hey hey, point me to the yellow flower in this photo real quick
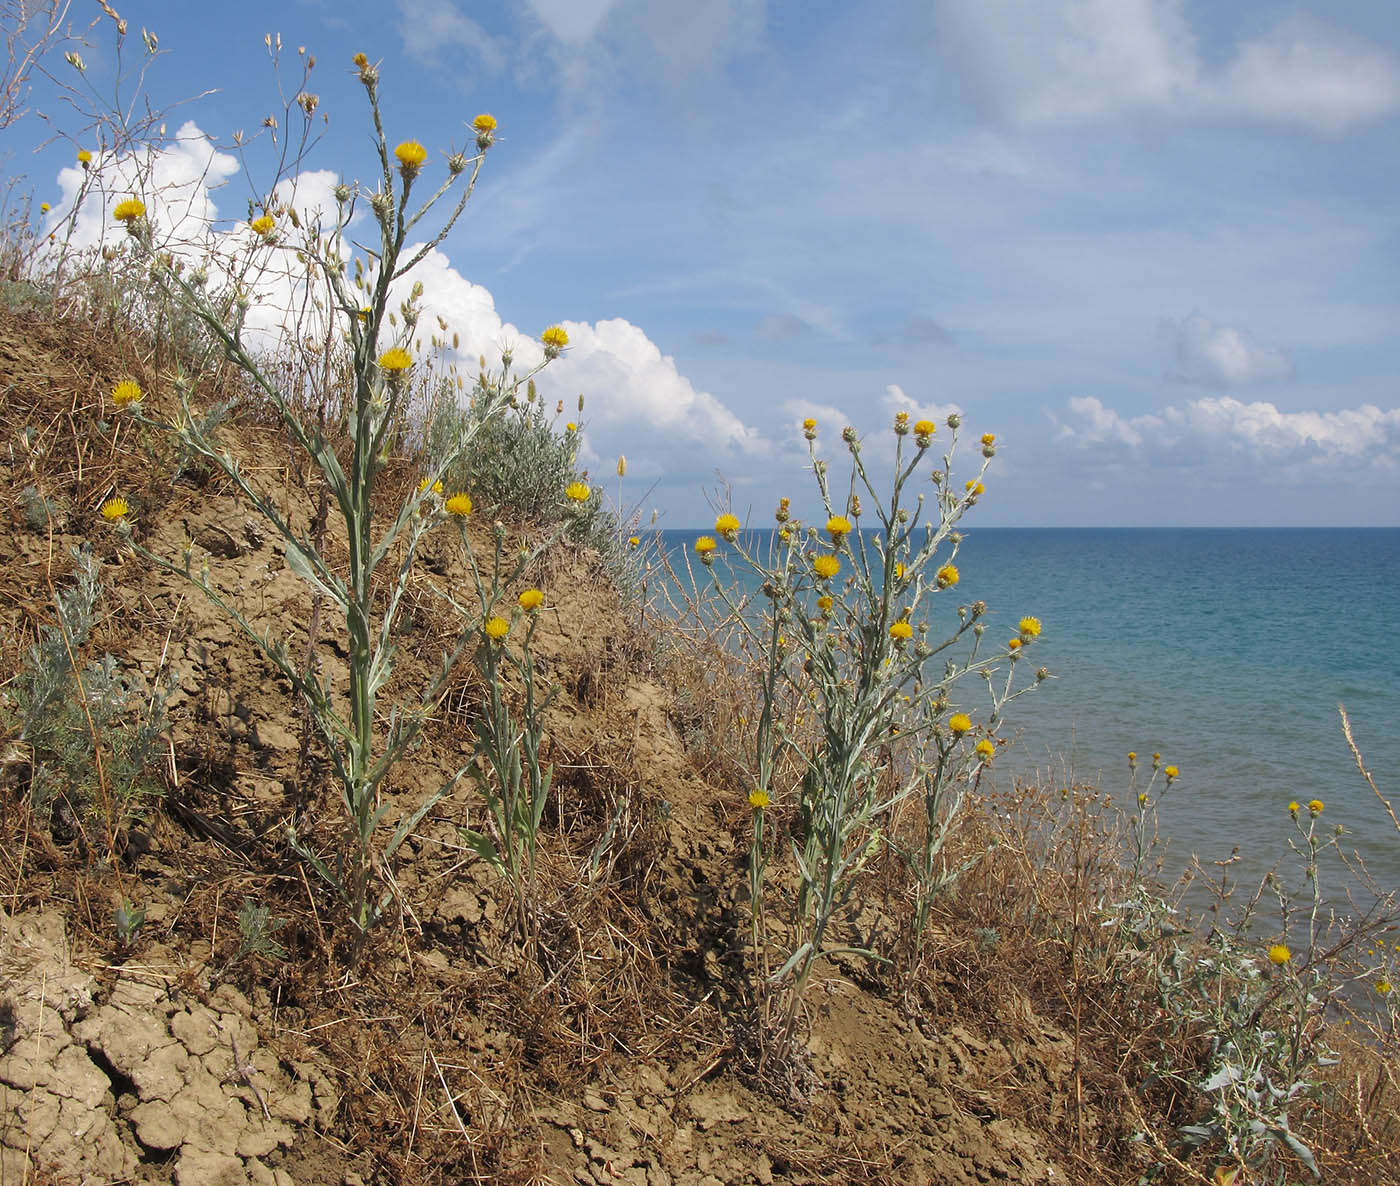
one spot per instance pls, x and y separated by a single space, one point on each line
923 429
986 748
531 599
484 123
360 60
727 525
496 628
1383 987
114 509
555 338
1142 798
989 438
459 504
263 225
758 798
411 155
1171 772
571 427
126 392
84 157
947 576
705 545
423 485
825 603
1315 806
129 210
1293 809
959 723
899 571
1029 627
577 492
1279 955
1132 757
901 630
394 360
1014 644
974 488
837 526
901 423
809 425
825 566
633 541
44 207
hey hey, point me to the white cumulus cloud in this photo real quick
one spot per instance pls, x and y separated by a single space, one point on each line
1314 443
1221 356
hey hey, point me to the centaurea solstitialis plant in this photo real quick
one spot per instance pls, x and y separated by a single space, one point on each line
855 654
381 386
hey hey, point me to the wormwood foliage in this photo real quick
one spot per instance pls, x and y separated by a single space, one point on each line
91 730
854 712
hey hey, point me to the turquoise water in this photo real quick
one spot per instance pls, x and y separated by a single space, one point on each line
1227 650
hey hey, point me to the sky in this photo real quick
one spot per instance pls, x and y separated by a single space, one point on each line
1153 245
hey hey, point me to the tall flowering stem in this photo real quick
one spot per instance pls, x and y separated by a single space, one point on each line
361 756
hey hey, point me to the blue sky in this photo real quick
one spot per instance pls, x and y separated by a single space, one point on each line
1152 244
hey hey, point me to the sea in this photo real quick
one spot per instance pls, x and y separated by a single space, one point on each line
1225 650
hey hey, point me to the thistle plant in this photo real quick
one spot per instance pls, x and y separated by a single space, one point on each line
379 331
517 788
855 695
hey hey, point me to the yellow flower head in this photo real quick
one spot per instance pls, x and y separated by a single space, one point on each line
1293 809
1142 798
531 599
826 566
263 225
577 492
360 60
114 509
923 429
496 628
129 210
1279 955
837 526
989 438
959 723
1014 644
1029 627
809 425
1132 757
1171 772
395 360
705 545
1315 806
901 423
1383 987
947 576
410 155
633 541
44 207
484 123
727 525
901 630
423 485
758 798
126 393
84 157
986 748
974 489
555 338
459 504
824 603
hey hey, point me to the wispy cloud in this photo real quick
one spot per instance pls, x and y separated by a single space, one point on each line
1077 61
1220 356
